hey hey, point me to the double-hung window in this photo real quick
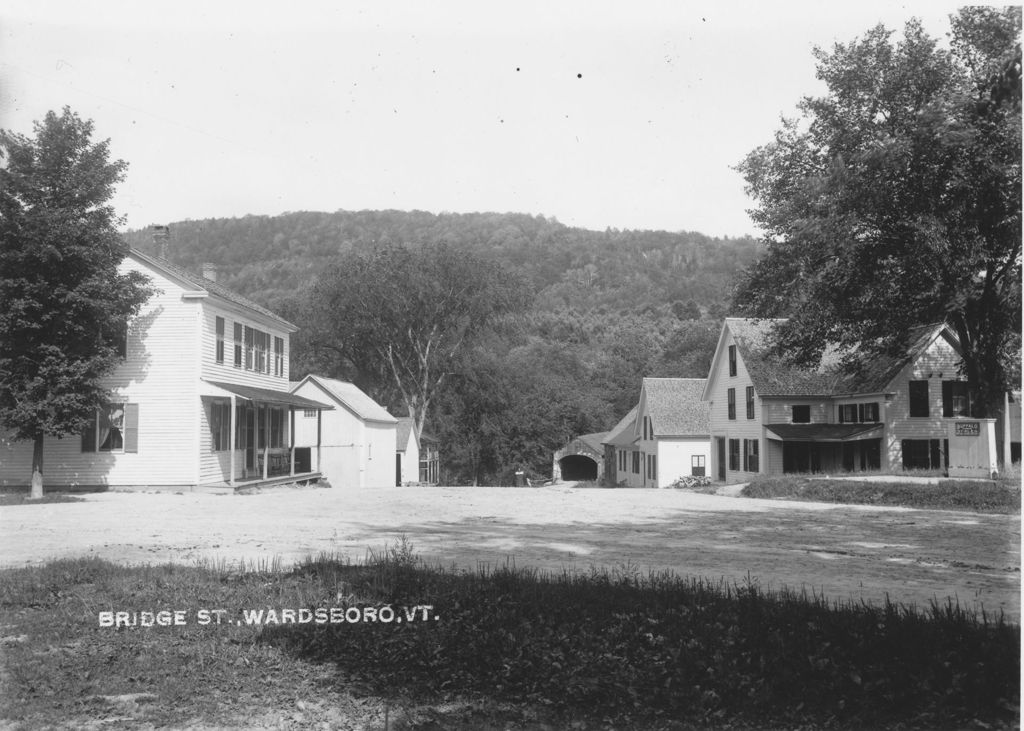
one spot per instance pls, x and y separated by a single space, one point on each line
278 356
113 429
956 399
220 426
220 340
750 402
239 345
731 403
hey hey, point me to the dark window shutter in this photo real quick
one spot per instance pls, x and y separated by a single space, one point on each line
919 398
842 414
89 436
947 398
131 427
935 458
860 413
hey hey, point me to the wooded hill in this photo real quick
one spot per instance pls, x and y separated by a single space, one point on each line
608 307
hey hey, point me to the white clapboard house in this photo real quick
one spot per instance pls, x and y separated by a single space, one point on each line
202 399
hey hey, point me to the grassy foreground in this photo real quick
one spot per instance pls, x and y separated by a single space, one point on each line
505 648
949 494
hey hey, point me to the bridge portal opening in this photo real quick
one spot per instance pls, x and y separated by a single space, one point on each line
578 467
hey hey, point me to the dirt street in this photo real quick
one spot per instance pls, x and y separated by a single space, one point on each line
847 552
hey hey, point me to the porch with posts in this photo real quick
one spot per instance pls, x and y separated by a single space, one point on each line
261 442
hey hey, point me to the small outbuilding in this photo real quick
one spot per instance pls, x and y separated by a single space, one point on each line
357 437
417 456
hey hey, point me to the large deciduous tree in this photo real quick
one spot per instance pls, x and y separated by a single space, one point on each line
63 305
393 319
894 200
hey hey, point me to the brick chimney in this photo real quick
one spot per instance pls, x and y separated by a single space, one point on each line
160 236
210 271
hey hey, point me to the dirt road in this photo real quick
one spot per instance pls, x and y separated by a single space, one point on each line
847 552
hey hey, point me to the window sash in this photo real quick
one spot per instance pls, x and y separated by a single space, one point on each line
278 356
750 402
238 345
732 360
219 327
731 403
220 426
114 429
956 399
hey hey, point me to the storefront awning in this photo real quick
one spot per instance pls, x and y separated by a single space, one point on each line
263 395
823 432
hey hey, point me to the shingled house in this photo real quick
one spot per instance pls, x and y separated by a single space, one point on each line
768 417
665 437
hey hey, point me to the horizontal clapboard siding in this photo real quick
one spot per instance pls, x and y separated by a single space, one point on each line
159 375
741 427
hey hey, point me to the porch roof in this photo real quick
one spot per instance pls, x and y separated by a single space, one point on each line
266 395
821 432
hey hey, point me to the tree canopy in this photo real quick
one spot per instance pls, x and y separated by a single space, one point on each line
64 307
894 200
396 317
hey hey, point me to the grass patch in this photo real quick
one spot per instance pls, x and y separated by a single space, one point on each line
511 648
949 494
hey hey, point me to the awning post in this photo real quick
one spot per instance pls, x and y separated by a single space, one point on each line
234 432
291 439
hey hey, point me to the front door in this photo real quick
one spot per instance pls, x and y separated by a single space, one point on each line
721 458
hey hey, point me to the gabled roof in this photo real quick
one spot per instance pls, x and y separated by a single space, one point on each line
351 397
202 284
772 376
675 407
622 433
594 441
877 373
405 428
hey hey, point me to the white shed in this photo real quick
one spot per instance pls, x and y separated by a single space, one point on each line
358 437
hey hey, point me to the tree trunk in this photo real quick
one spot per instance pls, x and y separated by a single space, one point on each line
37 468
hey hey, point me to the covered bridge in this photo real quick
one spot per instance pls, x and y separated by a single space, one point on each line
581 459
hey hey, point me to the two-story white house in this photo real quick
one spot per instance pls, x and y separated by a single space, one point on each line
769 417
202 398
664 438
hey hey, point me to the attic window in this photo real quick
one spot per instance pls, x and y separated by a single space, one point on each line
732 360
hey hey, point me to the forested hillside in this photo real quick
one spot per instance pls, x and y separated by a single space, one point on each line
608 307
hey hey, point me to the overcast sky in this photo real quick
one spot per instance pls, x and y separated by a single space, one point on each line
623 115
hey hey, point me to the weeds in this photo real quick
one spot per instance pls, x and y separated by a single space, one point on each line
948 494
512 647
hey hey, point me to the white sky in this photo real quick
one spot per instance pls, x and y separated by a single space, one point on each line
622 115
